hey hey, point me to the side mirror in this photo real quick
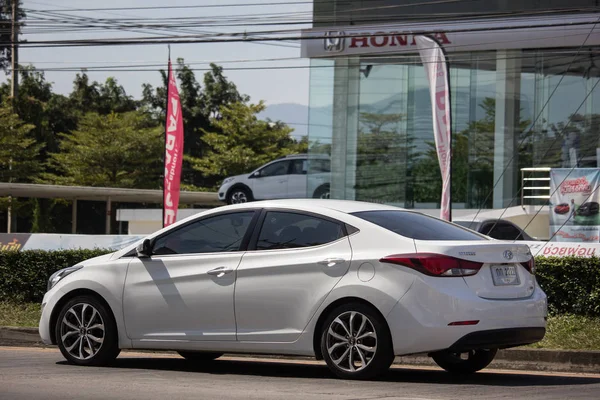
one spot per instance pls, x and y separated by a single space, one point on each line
144 250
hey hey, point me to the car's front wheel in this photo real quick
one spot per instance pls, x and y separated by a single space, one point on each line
239 195
199 355
464 363
322 192
356 343
86 332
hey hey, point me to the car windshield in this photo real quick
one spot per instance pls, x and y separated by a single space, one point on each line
418 226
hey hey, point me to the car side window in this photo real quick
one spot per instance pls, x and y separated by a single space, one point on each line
286 230
320 165
504 231
299 167
221 233
275 169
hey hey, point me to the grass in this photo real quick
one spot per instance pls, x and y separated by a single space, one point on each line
570 332
12 314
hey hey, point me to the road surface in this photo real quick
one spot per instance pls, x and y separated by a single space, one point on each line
36 373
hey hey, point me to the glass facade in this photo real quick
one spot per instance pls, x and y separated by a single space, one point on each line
511 109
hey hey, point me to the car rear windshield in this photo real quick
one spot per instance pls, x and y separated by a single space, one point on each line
418 226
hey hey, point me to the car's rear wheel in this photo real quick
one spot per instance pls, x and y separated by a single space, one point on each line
86 332
239 195
199 355
464 363
356 342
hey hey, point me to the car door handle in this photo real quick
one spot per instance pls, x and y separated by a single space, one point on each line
330 262
283 181
220 272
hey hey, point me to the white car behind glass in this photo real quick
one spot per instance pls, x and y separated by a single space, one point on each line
352 283
284 178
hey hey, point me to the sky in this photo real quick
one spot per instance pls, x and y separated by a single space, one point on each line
273 86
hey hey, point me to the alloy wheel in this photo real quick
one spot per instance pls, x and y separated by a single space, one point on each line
239 197
82 331
351 341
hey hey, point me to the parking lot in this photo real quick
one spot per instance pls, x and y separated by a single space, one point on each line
35 373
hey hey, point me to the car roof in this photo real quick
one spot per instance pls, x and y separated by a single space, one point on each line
304 155
322 205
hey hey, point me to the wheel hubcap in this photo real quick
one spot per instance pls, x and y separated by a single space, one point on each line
82 331
324 195
351 341
239 197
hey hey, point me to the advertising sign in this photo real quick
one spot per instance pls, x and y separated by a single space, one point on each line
173 152
574 205
436 69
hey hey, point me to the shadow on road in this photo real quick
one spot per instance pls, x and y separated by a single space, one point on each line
311 371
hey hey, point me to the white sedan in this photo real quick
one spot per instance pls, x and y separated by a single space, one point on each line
349 282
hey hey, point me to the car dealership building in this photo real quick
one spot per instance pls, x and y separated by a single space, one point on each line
524 95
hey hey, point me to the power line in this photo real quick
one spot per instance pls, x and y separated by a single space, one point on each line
286 3
226 21
250 37
143 67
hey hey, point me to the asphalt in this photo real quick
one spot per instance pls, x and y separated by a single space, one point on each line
38 373
525 359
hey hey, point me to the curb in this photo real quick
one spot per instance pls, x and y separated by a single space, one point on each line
523 359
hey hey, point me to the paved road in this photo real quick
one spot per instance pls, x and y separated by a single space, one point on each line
33 373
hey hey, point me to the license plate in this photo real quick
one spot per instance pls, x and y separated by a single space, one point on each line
505 275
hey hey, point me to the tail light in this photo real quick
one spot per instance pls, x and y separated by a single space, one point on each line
435 264
529 265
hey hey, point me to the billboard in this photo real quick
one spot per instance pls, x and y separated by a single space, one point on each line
574 205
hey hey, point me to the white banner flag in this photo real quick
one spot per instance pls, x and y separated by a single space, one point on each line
434 61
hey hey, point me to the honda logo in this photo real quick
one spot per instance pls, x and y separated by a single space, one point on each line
334 41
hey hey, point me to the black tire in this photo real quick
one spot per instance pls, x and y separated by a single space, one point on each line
379 361
322 192
239 195
475 360
98 338
199 355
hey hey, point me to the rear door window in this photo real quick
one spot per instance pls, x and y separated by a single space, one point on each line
418 226
287 230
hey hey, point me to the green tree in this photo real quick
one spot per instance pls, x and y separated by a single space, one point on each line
219 92
50 113
200 106
100 98
18 151
240 142
114 150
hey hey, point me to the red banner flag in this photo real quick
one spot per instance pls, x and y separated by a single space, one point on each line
173 152
436 69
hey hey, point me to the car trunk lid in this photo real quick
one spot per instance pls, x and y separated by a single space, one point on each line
502 274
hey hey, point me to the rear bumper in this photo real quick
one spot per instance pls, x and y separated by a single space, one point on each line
499 338
422 320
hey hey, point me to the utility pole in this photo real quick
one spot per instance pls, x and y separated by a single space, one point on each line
14 37
14 88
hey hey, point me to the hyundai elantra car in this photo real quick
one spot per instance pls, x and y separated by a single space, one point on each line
352 283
